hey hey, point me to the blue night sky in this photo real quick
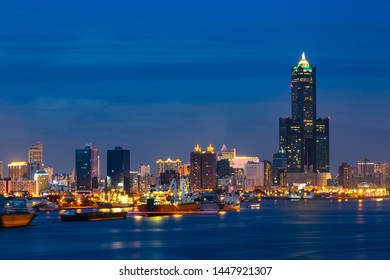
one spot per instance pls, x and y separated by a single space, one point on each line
158 77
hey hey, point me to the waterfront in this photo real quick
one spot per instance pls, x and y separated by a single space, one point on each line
283 229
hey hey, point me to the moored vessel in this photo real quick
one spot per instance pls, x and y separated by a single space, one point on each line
14 212
91 215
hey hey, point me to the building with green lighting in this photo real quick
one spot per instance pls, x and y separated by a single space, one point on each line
303 137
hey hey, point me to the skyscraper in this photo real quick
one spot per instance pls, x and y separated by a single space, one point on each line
304 138
35 159
86 168
203 169
35 153
118 169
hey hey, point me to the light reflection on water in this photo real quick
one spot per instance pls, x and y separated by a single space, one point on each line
279 230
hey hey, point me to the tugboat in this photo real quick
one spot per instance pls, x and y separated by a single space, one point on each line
14 212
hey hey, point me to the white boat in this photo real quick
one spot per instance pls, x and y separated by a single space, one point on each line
295 196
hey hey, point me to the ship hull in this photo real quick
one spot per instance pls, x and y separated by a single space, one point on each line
93 216
16 220
165 209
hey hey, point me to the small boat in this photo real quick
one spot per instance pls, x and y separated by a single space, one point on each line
295 196
91 215
250 201
229 207
14 212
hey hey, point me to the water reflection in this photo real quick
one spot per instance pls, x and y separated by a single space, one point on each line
360 205
283 230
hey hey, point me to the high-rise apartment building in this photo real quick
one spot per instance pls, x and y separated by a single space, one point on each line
118 169
167 165
203 174
86 170
1 170
303 137
345 175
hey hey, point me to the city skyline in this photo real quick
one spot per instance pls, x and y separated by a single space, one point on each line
158 79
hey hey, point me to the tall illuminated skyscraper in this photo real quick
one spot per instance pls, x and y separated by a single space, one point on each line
86 168
304 137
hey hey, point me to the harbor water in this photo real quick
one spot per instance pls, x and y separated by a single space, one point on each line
278 230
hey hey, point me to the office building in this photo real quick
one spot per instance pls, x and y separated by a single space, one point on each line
86 169
118 169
